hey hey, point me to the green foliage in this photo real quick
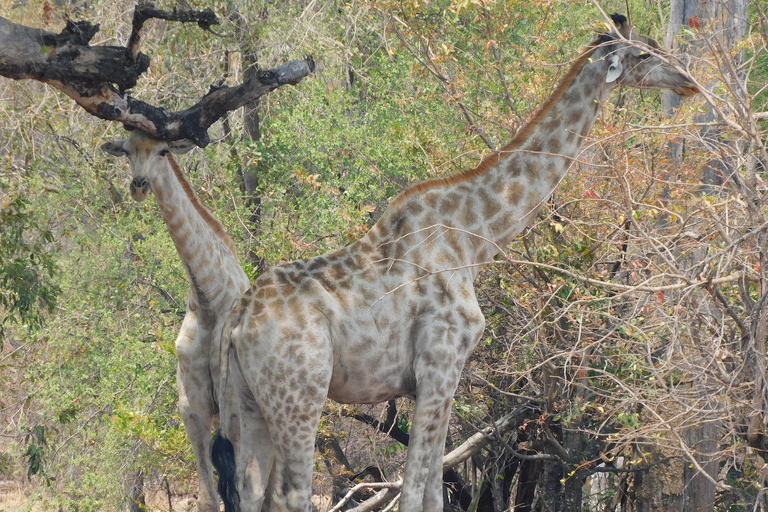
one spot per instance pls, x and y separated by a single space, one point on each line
28 286
35 447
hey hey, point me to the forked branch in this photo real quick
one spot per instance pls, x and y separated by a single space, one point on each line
97 77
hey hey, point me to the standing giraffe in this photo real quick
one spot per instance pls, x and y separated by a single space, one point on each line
216 280
395 314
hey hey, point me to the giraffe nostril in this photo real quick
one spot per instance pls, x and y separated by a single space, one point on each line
139 188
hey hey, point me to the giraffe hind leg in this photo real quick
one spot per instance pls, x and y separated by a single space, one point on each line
292 426
255 458
242 450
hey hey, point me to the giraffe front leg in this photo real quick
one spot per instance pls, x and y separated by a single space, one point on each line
437 368
422 484
197 405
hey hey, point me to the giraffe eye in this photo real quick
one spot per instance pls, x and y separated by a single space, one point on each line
644 56
163 152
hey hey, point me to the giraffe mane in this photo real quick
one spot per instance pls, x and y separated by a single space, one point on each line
214 223
491 160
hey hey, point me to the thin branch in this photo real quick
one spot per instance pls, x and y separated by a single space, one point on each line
389 426
446 82
165 293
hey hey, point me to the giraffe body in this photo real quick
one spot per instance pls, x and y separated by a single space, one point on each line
216 281
394 314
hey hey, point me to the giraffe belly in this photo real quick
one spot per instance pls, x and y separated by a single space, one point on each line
370 372
382 389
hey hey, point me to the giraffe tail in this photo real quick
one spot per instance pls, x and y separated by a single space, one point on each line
222 450
223 457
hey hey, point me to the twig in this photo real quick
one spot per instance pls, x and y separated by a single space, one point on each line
165 293
446 82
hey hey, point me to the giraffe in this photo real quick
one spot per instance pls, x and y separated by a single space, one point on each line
395 314
216 280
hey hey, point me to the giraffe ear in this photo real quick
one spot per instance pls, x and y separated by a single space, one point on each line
115 147
179 147
614 69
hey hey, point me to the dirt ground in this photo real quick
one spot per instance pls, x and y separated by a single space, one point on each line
14 498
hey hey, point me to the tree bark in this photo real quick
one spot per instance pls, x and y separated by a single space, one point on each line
530 473
96 78
136 492
711 25
252 133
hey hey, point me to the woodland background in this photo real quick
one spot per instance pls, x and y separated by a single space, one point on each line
626 329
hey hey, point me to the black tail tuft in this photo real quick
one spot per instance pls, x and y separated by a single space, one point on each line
223 456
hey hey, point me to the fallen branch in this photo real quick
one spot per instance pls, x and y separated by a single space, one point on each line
471 446
386 487
488 435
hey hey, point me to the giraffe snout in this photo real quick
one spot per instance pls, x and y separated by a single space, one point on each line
139 189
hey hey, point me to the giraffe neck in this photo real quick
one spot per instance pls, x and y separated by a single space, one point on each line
205 249
482 210
529 168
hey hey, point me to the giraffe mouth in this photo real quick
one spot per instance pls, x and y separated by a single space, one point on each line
140 189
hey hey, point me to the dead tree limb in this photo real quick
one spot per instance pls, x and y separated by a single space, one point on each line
97 77
471 446
147 10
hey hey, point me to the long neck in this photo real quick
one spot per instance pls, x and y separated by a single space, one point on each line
205 249
492 203
525 172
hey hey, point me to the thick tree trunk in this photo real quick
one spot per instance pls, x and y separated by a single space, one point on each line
699 490
711 25
573 489
252 132
730 18
550 491
136 492
530 472
248 171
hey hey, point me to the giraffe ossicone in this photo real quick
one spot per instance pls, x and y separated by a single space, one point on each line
394 314
216 279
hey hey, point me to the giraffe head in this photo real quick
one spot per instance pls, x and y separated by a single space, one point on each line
146 156
636 60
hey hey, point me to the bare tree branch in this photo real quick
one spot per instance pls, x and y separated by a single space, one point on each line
96 77
147 10
470 447
486 436
381 497
386 486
